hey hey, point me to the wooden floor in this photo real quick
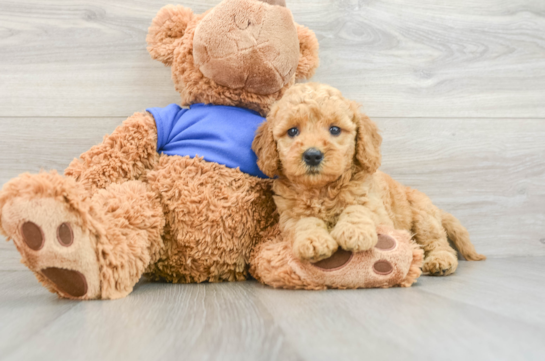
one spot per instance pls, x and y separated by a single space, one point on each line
491 310
458 90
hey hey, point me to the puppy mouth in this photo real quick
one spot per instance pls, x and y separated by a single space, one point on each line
313 170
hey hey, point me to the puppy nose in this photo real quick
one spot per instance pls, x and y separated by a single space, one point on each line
313 157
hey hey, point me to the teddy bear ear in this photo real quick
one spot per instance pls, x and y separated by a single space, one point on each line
309 47
168 26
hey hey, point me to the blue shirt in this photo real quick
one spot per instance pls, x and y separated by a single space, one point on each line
218 133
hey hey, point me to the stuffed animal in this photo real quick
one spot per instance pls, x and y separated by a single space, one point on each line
174 193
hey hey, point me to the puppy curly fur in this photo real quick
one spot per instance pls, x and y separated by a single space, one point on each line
341 201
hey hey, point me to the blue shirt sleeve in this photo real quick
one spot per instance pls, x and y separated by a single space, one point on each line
165 120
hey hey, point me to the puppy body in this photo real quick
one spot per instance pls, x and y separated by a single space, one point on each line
329 192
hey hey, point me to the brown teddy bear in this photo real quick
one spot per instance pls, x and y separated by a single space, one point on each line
173 193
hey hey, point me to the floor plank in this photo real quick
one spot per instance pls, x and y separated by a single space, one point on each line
470 315
25 309
429 59
9 257
163 322
519 280
407 324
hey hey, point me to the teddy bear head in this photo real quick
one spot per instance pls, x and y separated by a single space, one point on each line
243 53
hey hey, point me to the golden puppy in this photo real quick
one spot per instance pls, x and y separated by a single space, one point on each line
329 192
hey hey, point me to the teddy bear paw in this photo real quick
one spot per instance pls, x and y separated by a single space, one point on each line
53 244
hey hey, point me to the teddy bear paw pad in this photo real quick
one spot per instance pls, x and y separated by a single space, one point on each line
383 267
32 235
386 242
55 245
337 261
70 282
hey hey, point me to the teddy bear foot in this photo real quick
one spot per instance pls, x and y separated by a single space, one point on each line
38 213
395 261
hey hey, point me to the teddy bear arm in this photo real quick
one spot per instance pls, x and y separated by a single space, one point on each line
127 154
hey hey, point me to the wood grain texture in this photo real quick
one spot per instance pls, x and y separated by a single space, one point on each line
9 257
161 322
427 59
472 315
518 278
25 309
488 172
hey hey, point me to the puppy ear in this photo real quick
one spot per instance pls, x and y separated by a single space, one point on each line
309 59
168 26
264 146
368 141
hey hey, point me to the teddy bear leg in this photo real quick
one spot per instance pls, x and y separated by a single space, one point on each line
81 247
394 261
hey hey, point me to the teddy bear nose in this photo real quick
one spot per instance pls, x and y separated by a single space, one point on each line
313 157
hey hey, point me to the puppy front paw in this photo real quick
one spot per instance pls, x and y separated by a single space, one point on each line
355 237
314 246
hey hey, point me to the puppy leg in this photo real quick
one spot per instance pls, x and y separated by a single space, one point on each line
312 241
355 230
440 258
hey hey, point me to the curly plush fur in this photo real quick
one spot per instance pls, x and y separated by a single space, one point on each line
341 201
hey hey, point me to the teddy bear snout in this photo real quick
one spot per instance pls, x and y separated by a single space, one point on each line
247 44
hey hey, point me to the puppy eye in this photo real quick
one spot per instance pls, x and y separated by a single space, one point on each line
335 130
293 132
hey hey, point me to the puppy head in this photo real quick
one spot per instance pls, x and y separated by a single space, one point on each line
313 135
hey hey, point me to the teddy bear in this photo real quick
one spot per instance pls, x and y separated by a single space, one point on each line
173 193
